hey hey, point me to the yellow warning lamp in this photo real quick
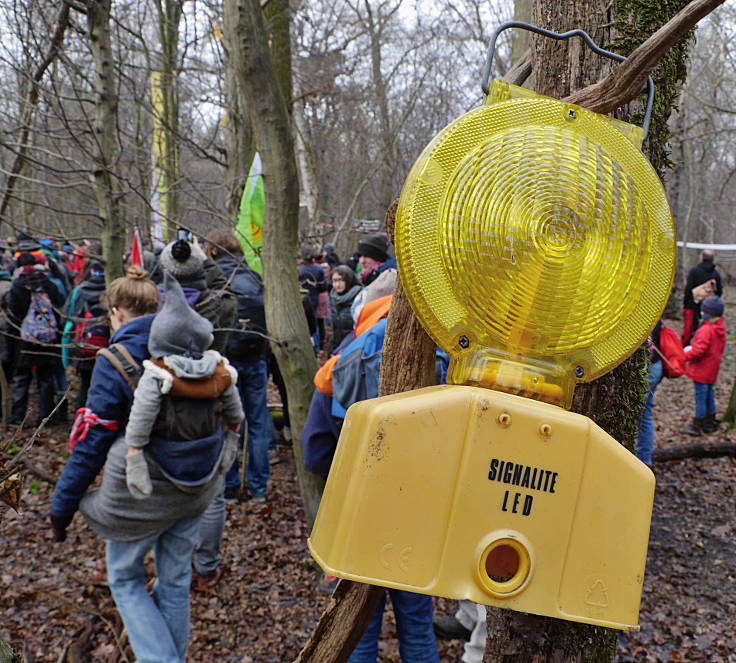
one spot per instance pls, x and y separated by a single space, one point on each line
536 246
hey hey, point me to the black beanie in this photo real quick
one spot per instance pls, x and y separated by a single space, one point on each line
374 246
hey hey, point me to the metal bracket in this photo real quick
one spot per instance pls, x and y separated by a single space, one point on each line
564 35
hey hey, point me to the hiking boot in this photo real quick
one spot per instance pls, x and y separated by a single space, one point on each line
695 428
448 628
206 583
710 423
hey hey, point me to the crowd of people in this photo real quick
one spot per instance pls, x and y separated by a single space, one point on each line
173 362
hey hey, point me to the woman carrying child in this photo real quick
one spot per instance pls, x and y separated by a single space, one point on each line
159 477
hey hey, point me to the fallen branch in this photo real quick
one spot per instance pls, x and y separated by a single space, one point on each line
342 624
695 450
628 79
39 472
76 652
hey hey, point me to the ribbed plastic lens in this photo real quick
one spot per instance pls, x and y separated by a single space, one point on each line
533 230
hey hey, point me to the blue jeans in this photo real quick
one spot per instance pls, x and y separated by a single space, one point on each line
705 399
413 627
157 625
645 438
211 526
252 382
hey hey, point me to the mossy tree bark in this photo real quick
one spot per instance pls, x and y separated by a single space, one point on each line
269 119
614 401
105 147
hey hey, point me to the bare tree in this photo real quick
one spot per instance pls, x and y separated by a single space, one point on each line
271 124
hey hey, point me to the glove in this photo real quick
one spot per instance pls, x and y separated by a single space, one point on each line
232 440
137 476
59 525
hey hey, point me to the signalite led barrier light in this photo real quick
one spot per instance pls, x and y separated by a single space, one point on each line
471 493
535 244
536 247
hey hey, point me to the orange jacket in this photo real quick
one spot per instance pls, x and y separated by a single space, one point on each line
372 312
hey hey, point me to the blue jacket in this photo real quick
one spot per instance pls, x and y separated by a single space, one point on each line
320 434
355 378
110 397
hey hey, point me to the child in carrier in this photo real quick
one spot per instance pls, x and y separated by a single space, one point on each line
185 395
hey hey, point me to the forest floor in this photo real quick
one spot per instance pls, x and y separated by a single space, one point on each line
266 604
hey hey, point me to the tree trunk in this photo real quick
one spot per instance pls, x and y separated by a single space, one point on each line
520 38
730 414
285 318
615 400
105 146
307 175
239 144
169 17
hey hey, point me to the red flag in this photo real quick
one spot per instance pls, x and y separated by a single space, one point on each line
136 253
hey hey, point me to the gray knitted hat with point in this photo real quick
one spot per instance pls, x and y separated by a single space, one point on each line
177 328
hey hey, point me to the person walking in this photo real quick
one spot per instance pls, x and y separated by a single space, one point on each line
312 279
248 353
32 328
87 326
645 436
131 301
153 499
207 292
702 364
704 272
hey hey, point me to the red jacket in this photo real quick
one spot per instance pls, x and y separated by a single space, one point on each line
703 359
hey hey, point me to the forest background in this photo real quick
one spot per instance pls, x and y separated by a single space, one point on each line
117 119
372 83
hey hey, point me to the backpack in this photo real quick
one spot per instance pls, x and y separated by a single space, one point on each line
93 332
670 349
39 323
248 291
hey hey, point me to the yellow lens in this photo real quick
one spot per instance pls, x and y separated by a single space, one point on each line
534 231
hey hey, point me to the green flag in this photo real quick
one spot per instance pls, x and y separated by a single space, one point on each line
249 228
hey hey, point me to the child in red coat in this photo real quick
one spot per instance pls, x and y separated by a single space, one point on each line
702 361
